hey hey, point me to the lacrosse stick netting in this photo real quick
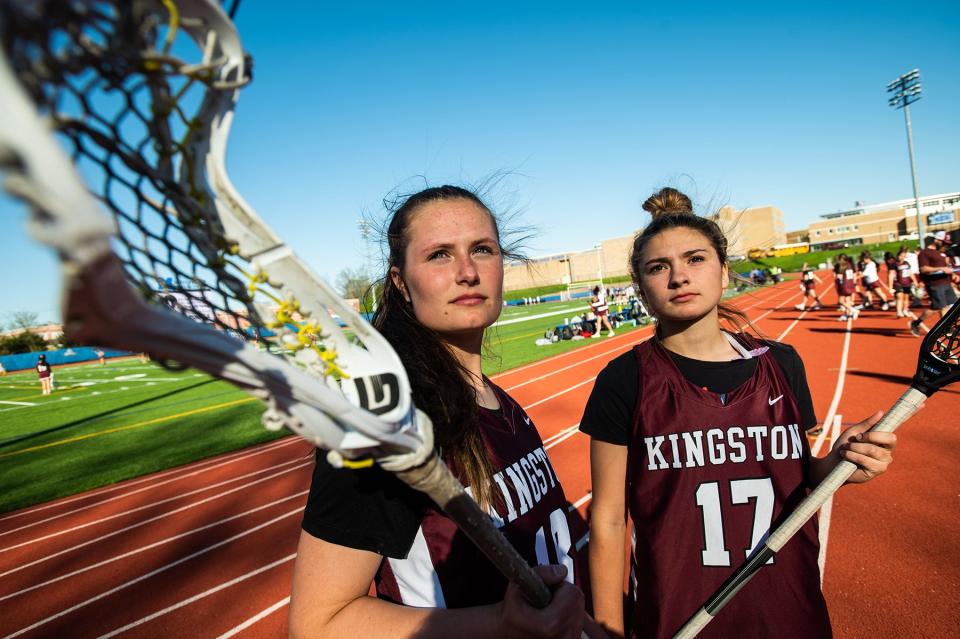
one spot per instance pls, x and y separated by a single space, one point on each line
141 94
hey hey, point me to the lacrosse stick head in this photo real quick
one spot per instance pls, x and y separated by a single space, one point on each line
160 253
939 362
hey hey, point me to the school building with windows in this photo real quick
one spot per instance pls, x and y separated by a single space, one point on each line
751 228
884 222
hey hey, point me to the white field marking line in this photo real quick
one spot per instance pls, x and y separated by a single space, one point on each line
54 399
194 469
19 403
155 572
161 516
198 597
841 375
563 392
526 318
150 546
254 619
826 510
188 471
575 364
122 530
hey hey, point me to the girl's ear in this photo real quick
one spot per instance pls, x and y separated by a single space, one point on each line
398 282
725 276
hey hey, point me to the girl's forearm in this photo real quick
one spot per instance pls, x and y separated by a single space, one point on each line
372 618
607 558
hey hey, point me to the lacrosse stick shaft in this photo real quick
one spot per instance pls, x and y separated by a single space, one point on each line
902 410
436 480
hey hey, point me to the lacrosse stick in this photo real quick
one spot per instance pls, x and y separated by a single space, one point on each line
141 93
938 366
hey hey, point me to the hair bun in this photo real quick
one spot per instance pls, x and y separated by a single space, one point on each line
668 201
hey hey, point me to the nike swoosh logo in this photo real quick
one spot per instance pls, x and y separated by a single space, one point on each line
526 419
774 400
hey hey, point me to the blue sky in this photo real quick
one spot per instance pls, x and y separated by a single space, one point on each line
588 107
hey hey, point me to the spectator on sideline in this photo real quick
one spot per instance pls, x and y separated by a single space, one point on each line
45 373
937 277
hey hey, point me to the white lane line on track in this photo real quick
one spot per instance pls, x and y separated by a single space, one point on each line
199 596
159 570
826 510
575 364
47 557
254 619
188 471
555 395
150 546
837 394
563 434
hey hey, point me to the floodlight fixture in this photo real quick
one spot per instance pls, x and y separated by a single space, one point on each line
906 90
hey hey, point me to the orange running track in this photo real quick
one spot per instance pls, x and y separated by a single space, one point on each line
206 550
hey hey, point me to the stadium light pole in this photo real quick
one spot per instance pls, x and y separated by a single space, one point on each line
599 248
365 233
906 90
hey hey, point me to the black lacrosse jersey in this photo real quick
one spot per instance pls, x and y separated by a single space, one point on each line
428 561
708 477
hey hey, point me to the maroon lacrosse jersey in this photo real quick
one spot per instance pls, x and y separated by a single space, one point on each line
444 568
707 479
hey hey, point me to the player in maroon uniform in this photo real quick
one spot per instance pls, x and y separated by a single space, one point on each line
808 284
937 276
901 279
45 373
600 308
704 427
443 289
847 278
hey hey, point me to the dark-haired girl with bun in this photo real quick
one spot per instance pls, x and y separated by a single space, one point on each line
698 435
444 287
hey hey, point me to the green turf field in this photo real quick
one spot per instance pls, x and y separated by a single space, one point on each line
105 423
